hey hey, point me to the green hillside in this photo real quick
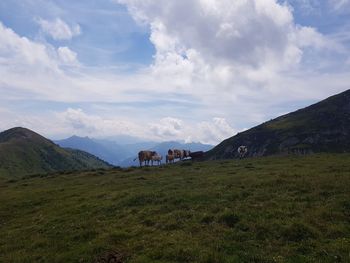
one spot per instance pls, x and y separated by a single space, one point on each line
322 127
271 209
23 151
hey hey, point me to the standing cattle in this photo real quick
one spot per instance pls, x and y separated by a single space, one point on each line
242 151
157 158
178 154
169 158
145 156
186 153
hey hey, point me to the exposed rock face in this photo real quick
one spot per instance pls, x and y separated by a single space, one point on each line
322 127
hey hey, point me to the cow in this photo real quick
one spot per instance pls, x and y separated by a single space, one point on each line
242 151
178 154
145 156
186 153
169 158
196 155
157 158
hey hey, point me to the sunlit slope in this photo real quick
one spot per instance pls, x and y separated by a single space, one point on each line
23 151
289 209
322 127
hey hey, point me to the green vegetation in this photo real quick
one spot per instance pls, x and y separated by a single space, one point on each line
321 127
23 151
272 209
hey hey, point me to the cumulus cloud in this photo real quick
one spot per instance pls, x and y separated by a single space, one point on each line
76 121
255 34
36 70
221 51
233 59
58 29
18 52
167 127
21 51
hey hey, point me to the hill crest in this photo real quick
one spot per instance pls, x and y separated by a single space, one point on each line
23 151
321 127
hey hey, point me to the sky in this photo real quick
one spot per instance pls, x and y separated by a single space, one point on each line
189 70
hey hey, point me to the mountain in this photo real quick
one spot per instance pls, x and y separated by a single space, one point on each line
321 127
163 147
121 154
107 150
23 151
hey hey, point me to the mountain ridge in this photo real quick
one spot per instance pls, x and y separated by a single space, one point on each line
320 127
23 151
123 155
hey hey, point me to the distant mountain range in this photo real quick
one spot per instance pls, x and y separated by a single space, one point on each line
23 151
123 155
322 127
108 151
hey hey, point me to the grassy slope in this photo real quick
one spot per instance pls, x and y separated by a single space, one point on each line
20 157
290 209
321 127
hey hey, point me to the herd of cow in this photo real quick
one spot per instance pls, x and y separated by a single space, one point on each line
145 157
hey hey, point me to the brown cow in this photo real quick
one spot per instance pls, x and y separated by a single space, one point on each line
169 158
157 158
178 154
145 156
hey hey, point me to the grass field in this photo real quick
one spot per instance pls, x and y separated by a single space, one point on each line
275 209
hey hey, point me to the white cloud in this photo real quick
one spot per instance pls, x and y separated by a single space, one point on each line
58 29
219 51
246 33
167 127
239 60
67 56
14 48
76 121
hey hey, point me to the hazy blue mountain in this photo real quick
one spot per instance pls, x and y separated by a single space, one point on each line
123 155
134 148
107 150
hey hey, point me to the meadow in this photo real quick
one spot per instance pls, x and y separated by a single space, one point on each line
272 209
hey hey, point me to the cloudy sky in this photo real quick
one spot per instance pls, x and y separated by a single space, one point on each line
193 70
